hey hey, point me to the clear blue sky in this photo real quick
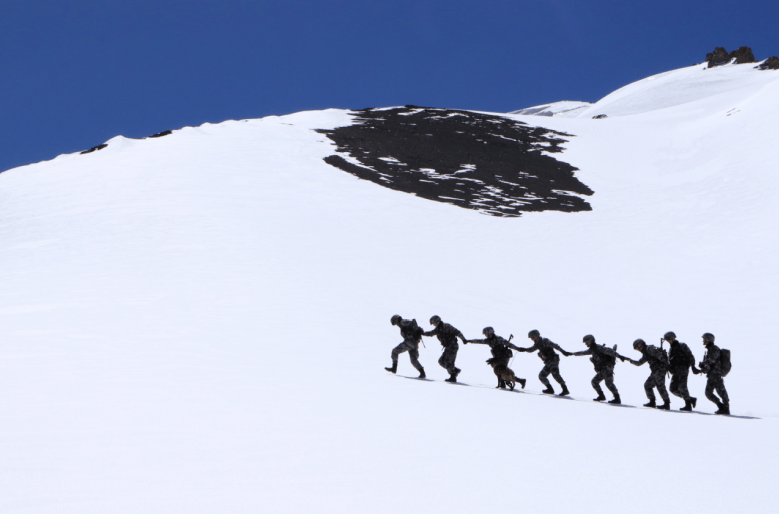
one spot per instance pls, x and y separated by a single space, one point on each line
77 73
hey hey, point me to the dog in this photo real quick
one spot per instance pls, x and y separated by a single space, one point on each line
505 375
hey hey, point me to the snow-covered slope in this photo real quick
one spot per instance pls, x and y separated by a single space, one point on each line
681 86
199 322
563 109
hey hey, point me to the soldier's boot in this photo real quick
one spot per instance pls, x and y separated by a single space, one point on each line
452 377
457 372
687 406
522 382
565 391
501 384
600 398
651 404
694 402
393 369
666 405
422 373
616 400
724 409
548 390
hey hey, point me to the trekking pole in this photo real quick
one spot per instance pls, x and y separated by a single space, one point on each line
512 353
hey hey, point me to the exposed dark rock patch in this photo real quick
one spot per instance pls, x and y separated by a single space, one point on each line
599 117
721 56
161 134
772 63
493 164
94 148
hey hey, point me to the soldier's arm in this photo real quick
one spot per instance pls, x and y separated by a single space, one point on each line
508 344
588 351
639 362
690 358
430 332
478 341
557 347
529 349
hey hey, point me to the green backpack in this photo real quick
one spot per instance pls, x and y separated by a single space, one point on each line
724 361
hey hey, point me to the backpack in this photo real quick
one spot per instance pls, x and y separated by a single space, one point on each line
606 361
724 361
413 331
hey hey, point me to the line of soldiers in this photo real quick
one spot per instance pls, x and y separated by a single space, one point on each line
678 362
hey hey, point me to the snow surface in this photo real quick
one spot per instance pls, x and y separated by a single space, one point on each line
198 323
563 109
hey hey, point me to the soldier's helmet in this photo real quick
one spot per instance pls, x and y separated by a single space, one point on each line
396 319
588 339
435 319
709 338
533 333
638 343
488 332
669 336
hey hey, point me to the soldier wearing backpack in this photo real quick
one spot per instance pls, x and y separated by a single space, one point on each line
680 359
447 336
412 335
658 367
712 366
604 359
546 351
501 355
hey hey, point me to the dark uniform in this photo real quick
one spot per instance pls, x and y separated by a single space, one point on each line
546 351
603 359
447 336
681 358
711 366
501 354
410 344
658 368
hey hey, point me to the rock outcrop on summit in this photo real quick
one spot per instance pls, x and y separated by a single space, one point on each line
496 165
721 56
772 63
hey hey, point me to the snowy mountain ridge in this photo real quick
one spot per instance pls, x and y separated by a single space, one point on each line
199 322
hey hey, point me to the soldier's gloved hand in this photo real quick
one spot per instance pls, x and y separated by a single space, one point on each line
465 341
695 371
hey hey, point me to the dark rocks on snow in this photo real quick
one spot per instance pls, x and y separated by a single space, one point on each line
772 63
721 56
161 134
599 117
492 164
94 148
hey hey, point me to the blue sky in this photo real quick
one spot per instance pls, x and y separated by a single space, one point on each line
75 74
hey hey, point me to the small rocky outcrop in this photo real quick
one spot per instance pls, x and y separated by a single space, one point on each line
94 149
721 56
772 63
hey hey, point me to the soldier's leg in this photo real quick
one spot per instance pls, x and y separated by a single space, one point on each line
442 360
609 379
674 385
711 384
414 356
402 347
596 380
555 369
649 388
660 384
721 391
542 376
450 355
678 385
